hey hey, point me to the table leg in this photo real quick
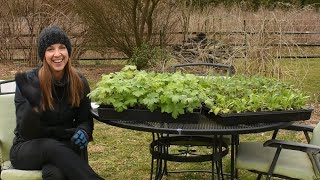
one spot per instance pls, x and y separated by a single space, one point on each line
234 150
156 152
151 169
233 137
159 170
220 161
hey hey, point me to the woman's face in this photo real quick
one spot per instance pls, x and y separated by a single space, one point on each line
57 57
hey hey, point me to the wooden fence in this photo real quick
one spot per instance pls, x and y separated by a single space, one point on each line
235 39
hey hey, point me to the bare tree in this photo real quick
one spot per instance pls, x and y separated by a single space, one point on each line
21 22
124 25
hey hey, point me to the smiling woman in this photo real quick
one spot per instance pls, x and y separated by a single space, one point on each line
53 118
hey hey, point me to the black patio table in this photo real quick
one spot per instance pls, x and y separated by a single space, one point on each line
204 126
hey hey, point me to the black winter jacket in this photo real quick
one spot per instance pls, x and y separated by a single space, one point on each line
60 123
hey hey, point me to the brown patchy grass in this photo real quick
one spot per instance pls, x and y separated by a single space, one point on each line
92 72
118 153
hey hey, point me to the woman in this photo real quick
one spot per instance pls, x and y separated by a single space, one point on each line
53 117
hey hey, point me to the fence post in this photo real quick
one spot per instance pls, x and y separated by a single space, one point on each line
220 28
245 42
214 40
162 37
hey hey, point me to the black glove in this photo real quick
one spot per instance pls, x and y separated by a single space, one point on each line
80 138
28 89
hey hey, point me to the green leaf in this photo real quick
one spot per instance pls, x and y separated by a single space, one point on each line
216 110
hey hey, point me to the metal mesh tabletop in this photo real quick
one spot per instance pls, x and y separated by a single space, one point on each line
204 126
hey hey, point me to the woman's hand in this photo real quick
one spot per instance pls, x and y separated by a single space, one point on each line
80 138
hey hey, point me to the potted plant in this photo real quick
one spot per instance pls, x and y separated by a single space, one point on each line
159 96
140 95
241 99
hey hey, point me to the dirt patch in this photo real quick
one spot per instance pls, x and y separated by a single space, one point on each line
7 71
93 73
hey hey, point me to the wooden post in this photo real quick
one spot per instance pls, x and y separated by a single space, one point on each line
161 38
245 43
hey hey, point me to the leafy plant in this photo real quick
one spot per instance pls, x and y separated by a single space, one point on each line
174 93
178 93
251 94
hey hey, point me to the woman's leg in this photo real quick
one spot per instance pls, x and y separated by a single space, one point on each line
50 172
34 154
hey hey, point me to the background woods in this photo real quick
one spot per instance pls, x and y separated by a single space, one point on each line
21 22
270 38
109 26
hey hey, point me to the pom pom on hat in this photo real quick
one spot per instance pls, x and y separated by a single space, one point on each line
52 35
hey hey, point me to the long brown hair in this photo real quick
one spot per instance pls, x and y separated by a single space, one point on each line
75 91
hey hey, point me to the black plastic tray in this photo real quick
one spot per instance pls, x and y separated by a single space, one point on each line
108 113
259 117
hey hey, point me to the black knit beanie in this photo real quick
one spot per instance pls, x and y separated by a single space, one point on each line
52 35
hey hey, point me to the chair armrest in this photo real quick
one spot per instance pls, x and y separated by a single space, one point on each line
8 90
306 129
308 148
6 81
300 127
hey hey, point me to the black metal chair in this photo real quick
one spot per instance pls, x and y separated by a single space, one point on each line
161 151
187 147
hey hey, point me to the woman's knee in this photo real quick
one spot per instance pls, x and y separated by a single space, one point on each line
51 145
50 172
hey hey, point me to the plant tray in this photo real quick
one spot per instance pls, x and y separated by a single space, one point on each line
259 117
108 113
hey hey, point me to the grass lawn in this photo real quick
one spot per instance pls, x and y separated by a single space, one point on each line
118 153
311 82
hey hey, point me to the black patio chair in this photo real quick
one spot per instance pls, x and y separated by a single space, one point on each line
179 148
